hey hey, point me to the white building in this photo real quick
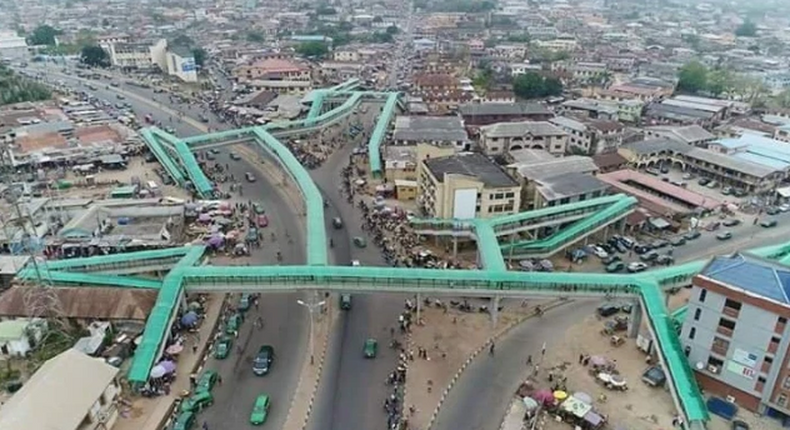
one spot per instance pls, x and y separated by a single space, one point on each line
11 45
181 64
16 336
69 392
130 55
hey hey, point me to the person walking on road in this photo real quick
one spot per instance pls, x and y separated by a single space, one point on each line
491 349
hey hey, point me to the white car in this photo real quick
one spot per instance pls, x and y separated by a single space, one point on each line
600 252
637 266
355 263
784 208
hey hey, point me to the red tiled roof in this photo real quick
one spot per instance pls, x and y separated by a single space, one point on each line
655 203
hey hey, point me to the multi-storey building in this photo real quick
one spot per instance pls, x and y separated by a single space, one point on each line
736 334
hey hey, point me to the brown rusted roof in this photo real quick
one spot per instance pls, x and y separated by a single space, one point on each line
85 302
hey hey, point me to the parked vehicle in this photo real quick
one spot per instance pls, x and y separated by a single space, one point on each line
261 364
345 302
617 266
197 402
693 234
207 381
637 266
725 235
731 222
768 223
607 310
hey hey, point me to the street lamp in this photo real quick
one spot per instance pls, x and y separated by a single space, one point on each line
311 307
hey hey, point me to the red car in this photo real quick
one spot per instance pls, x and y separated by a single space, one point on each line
262 221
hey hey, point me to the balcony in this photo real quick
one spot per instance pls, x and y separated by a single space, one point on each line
720 349
724 330
731 312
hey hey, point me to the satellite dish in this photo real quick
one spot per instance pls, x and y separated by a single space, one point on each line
699 365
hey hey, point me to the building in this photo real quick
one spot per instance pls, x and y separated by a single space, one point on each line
591 137
464 186
18 336
643 88
71 391
428 83
477 114
445 131
590 108
12 46
692 135
736 335
131 55
275 69
504 137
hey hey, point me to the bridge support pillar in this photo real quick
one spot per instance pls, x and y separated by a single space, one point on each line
494 310
606 232
622 227
636 319
419 307
455 247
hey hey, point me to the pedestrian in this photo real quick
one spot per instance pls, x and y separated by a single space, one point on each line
491 349
205 425
581 358
195 348
219 379
529 360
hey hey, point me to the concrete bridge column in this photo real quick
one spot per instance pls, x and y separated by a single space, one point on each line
666 299
494 310
455 247
606 232
636 319
419 307
622 227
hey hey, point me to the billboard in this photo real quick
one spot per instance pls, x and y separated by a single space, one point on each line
465 203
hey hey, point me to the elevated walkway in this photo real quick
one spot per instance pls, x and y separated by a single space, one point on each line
171 167
379 133
546 247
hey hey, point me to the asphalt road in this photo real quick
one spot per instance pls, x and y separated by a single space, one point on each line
285 322
352 388
480 398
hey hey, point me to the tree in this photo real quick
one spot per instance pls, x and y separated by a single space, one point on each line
105 22
312 49
200 55
783 99
534 85
94 56
693 77
255 36
747 29
392 30
182 40
325 10
718 81
18 89
377 19
44 35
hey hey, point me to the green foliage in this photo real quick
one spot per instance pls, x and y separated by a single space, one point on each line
44 35
182 40
200 55
693 78
782 99
94 56
18 89
325 10
377 19
465 6
518 38
255 36
312 49
534 85
345 26
392 30
747 29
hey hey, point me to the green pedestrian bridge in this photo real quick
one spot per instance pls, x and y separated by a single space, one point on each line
183 273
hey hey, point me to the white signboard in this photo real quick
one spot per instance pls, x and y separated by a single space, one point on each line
746 372
465 203
745 357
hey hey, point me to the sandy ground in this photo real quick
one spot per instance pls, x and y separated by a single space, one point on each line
450 339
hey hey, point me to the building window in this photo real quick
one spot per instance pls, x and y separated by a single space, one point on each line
781 399
702 294
782 320
729 325
692 332
715 363
732 304
687 350
697 314
786 383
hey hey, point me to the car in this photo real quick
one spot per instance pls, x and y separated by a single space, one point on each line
250 177
355 263
725 235
600 252
214 151
678 241
115 84
185 421
739 192
712 184
703 181
772 211
659 243
262 363
664 169
768 223
693 234
688 176
204 118
654 376
197 402
210 156
234 323
731 222
206 381
641 249
607 310
345 302
260 410
610 259
360 242
617 266
371 348
244 302
223 347
120 97
234 156
258 208
739 425
649 256
637 266
621 248
337 223
727 191
262 221
665 259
